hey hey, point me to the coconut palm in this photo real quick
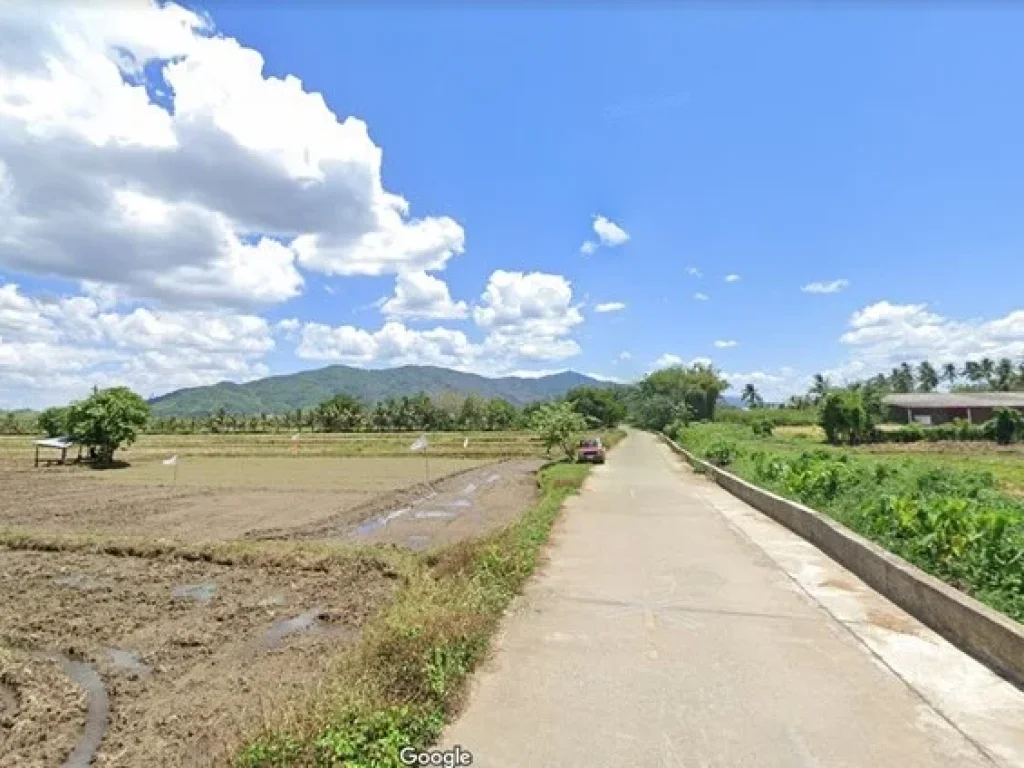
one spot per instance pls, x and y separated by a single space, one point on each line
751 396
927 377
988 369
820 386
950 373
1004 374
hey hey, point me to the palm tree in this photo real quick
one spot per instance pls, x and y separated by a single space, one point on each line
972 372
950 373
988 368
751 397
819 387
927 378
1004 374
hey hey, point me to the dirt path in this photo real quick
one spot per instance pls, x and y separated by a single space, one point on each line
662 634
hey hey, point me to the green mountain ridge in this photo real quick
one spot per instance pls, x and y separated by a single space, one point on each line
307 389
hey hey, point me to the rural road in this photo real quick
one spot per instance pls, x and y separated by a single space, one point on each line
675 626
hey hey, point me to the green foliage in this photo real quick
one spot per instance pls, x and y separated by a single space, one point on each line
845 418
54 422
600 406
107 420
762 427
789 417
950 522
558 426
1005 426
721 453
671 394
342 413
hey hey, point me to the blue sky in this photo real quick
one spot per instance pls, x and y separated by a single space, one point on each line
784 143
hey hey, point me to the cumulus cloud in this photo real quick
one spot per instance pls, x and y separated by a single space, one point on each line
693 272
726 344
834 286
625 355
667 360
609 234
52 350
701 296
774 386
422 296
884 334
140 150
611 306
732 278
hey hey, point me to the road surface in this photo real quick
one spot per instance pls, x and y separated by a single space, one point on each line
675 626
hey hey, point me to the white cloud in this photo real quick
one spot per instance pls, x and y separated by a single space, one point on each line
611 306
774 387
701 296
422 296
625 355
835 286
667 361
726 344
609 234
732 278
53 350
216 192
884 334
693 272
528 316
393 344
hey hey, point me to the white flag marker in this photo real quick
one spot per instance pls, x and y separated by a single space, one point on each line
420 444
465 443
173 462
295 437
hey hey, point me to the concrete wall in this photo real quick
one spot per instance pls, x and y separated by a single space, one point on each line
989 636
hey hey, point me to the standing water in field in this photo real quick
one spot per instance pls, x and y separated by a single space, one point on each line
97 714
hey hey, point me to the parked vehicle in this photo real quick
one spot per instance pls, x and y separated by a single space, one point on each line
591 450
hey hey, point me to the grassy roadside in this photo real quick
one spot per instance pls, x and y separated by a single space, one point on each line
406 677
954 521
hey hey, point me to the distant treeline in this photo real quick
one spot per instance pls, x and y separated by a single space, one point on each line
600 407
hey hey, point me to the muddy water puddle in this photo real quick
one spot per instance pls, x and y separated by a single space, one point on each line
97 716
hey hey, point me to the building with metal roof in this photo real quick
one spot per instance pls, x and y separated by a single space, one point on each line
942 407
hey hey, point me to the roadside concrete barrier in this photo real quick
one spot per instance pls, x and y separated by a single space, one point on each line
992 638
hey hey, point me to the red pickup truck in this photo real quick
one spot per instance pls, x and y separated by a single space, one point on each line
591 450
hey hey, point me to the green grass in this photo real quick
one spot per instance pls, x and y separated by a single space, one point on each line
407 676
948 514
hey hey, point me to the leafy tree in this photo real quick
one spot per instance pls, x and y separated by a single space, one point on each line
471 415
600 406
972 372
677 393
54 422
499 414
1006 425
558 426
342 413
845 418
107 420
927 377
751 396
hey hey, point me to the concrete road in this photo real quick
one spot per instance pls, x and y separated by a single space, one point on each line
675 626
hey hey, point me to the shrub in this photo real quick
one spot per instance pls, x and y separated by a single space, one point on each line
762 427
845 418
721 453
1005 426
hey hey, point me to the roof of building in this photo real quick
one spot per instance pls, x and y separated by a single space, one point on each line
956 400
56 442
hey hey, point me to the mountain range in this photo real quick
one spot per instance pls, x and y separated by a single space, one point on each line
307 389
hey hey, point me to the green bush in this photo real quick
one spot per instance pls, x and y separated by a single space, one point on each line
1005 426
721 453
846 417
762 427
